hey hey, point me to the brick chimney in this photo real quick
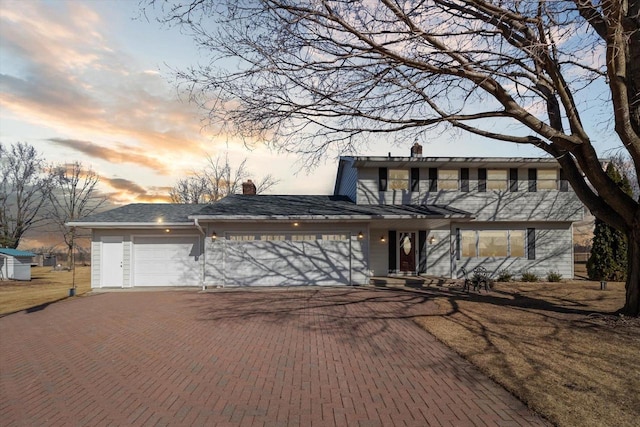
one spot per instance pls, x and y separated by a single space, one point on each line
416 150
248 187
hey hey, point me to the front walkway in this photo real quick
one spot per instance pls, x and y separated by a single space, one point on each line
295 357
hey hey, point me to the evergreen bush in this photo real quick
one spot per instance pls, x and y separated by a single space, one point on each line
554 276
504 276
528 276
608 260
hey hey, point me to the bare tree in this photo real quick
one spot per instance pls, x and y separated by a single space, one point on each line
74 196
314 74
24 191
190 190
215 181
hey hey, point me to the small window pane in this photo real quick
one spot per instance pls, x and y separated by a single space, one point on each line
335 237
398 179
516 243
448 179
547 179
241 237
302 237
497 179
270 237
492 243
468 242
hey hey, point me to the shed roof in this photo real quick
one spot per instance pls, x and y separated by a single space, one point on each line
16 252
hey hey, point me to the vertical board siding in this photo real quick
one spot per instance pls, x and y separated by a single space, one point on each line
95 261
348 181
127 267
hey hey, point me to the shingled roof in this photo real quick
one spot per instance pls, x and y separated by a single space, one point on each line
239 207
162 213
273 206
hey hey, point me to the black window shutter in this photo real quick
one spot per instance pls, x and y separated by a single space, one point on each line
422 246
533 180
382 179
464 179
531 243
415 179
433 179
513 179
392 251
457 243
482 180
564 184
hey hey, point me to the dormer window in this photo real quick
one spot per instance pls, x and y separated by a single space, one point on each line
398 179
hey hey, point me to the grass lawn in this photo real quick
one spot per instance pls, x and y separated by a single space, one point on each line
45 286
553 345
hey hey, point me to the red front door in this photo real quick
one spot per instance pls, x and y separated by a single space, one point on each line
407 248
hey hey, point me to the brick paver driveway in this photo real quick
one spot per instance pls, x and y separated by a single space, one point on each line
300 357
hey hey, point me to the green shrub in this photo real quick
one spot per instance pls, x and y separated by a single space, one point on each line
504 276
554 276
528 276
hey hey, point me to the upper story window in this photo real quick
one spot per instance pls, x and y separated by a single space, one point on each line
448 179
398 179
547 179
497 179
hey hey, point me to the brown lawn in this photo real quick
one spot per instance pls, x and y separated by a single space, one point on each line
553 345
46 286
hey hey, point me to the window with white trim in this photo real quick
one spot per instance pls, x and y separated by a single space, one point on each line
492 243
340 236
497 179
448 179
303 237
398 179
241 237
273 237
547 179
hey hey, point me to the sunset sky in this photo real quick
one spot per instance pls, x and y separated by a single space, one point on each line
91 81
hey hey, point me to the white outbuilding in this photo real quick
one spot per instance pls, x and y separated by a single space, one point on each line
15 264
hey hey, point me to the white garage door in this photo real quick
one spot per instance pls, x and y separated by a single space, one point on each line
166 261
287 260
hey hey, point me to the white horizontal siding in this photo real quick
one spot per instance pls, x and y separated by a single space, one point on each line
491 205
220 269
554 251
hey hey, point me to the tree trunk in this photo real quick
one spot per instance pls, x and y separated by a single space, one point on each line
70 256
632 302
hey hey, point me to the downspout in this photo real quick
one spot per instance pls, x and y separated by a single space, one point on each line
204 251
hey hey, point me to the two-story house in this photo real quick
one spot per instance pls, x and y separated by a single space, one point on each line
388 216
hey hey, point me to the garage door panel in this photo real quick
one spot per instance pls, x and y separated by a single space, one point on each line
287 263
166 261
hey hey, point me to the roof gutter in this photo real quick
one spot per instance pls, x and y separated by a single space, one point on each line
341 218
158 225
